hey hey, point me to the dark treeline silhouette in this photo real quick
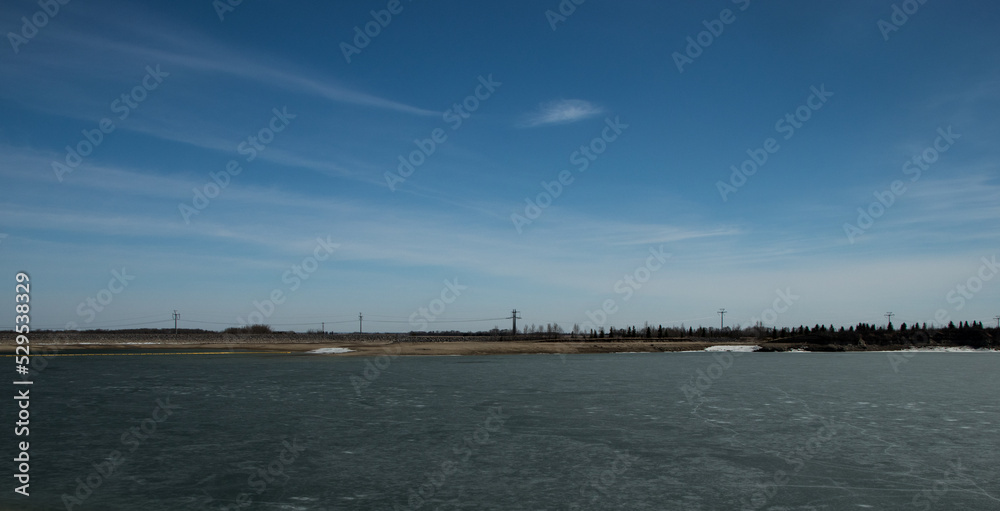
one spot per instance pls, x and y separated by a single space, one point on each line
964 334
972 334
249 329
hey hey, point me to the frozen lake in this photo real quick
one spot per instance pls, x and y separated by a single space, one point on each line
693 431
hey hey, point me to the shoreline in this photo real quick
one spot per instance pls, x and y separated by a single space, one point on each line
468 347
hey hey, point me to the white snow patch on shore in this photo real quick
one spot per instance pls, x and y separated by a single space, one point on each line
949 349
110 343
726 347
328 351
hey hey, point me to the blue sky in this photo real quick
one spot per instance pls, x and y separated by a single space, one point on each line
531 89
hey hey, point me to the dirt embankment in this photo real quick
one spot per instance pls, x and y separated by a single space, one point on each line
360 344
399 344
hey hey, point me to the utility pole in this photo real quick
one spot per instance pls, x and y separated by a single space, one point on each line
177 316
722 319
361 324
322 327
998 321
889 315
513 317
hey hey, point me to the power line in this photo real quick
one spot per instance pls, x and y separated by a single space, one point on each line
116 322
100 327
685 320
148 323
438 320
272 324
474 318
132 319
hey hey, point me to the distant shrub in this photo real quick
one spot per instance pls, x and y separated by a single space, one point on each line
249 329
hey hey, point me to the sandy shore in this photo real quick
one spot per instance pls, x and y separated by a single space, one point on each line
521 347
398 348
397 344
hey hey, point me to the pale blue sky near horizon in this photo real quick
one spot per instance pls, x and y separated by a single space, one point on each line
497 100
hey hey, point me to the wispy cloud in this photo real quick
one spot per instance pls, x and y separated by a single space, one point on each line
158 43
563 111
221 60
